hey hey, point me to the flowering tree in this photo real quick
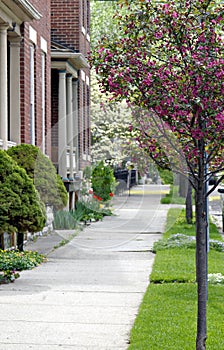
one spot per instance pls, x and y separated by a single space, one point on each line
168 61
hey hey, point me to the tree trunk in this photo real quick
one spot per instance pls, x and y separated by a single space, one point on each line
201 265
20 241
183 182
189 211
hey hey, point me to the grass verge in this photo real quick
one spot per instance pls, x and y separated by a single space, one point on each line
168 314
173 196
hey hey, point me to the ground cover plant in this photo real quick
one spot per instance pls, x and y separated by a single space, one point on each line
166 316
12 261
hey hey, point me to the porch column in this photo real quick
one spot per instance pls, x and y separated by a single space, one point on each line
3 86
70 124
75 122
15 130
62 125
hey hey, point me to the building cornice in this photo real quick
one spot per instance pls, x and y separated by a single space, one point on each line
29 9
76 59
18 10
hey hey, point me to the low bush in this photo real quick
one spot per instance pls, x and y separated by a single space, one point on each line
103 182
166 176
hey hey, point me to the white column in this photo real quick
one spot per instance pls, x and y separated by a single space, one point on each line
62 125
70 124
15 90
32 96
75 121
43 58
3 86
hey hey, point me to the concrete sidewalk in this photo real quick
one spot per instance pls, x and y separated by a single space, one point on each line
88 293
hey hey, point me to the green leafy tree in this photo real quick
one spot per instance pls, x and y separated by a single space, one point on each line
21 209
42 171
102 22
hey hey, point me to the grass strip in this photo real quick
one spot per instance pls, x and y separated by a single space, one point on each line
168 313
167 318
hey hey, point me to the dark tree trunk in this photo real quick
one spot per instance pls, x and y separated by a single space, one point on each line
20 241
189 210
201 258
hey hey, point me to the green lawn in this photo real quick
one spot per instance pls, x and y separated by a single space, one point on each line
176 223
167 318
168 314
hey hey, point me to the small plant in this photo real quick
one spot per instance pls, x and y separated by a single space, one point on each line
64 220
215 278
8 276
178 240
216 245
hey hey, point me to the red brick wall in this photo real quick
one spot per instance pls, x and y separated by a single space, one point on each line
42 27
66 22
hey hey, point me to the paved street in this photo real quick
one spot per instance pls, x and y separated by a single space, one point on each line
88 293
215 209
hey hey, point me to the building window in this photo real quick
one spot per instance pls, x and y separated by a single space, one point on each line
32 96
88 16
83 13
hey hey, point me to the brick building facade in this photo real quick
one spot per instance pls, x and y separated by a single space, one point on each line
44 80
35 79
